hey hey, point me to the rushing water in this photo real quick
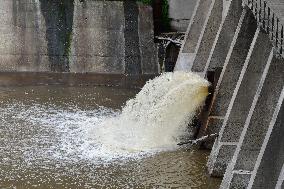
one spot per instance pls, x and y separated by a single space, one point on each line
156 118
66 137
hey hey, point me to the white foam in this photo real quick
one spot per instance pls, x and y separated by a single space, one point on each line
156 118
151 122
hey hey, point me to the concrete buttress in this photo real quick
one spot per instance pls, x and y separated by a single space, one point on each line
222 152
193 34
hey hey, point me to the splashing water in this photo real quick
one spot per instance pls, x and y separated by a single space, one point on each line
152 122
156 118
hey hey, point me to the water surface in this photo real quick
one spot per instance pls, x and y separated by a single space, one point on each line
43 144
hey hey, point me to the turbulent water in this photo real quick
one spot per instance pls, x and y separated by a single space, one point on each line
68 137
154 121
156 118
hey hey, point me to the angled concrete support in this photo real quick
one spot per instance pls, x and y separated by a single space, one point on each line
280 181
222 152
269 169
231 15
206 40
194 31
259 156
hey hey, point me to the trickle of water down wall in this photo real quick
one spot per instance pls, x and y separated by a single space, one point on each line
77 36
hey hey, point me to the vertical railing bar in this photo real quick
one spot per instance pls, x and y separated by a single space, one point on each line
269 21
276 35
272 27
268 18
252 5
281 43
264 15
260 10
256 9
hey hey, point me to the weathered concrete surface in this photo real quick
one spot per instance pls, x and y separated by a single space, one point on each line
250 81
212 39
22 36
180 12
263 125
119 36
58 17
98 37
148 49
77 36
231 15
257 126
193 33
225 88
241 99
269 171
208 37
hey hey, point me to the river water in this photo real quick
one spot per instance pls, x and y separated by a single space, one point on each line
43 144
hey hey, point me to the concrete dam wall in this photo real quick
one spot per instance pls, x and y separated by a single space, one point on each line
180 12
242 42
77 36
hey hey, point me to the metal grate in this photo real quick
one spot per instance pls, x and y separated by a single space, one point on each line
269 21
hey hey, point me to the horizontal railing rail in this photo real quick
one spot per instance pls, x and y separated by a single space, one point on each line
269 21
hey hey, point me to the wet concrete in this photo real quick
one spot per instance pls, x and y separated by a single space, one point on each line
58 16
77 36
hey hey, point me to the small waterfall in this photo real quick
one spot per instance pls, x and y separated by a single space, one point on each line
156 118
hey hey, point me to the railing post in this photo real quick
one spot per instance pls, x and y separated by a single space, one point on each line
264 15
268 20
281 43
276 35
272 27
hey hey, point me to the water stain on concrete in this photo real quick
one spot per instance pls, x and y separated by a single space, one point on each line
58 15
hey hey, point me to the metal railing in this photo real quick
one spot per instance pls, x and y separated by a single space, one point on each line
269 21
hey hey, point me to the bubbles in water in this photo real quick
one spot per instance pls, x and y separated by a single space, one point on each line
155 119
58 137
151 122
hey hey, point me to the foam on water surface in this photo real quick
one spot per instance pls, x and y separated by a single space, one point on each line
76 137
156 118
151 122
